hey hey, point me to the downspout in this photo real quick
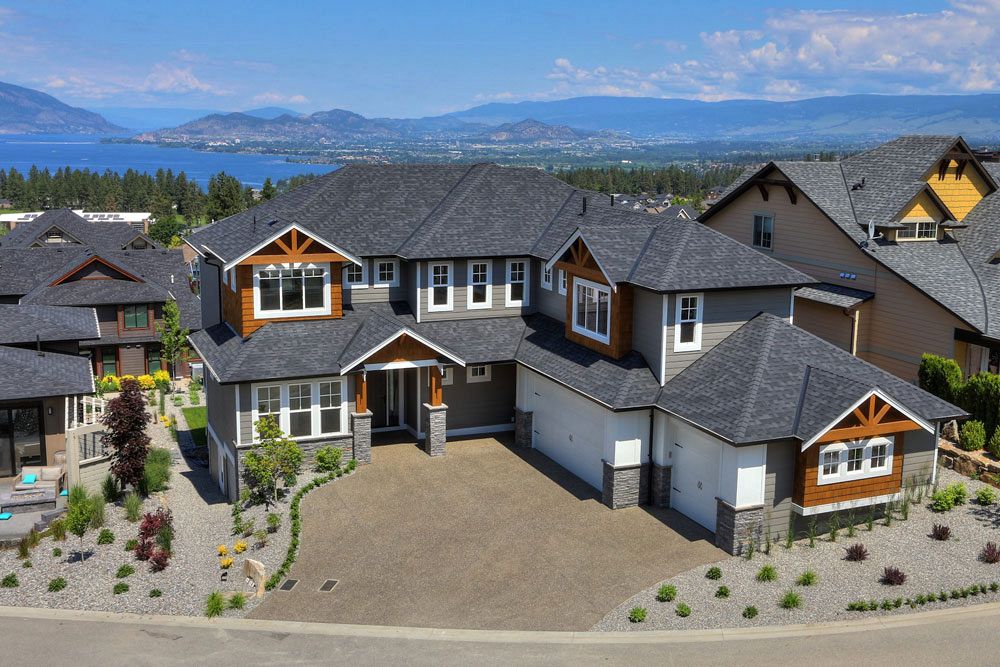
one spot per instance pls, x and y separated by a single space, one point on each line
855 316
649 474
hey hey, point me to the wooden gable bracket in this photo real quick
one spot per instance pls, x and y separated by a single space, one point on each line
872 421
295 251
791 194
943 167
763 190
961 168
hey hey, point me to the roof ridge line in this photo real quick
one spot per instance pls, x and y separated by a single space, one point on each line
553 219
642 252
439 206
758 378
847 189
802 398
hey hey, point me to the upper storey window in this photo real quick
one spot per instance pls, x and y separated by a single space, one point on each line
356 275
688 318
441 286
136 316
592 310
763 231
288 291
387 273
480 292
517 282
917 231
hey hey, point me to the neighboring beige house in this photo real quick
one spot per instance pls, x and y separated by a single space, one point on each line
904 239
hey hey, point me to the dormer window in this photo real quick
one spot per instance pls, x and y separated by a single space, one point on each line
286 291
924 230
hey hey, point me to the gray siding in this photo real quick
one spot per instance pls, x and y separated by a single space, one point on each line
211 307
550 301
779 479
481 403
221 402
723 313
371 294
410 283
647 329
460 281
246 409
919 457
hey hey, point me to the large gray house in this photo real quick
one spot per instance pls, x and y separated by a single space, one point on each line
654 358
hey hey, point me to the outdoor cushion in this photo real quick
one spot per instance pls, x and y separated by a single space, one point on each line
64 492
28 479
5 516
51 474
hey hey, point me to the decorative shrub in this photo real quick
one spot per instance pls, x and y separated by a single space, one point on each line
146 382
986 495
156 472
260 539
682 610
328 458
10 581
237 600
248 527
990 553
857 553
26 564
807 578
713 573
750 612
97 510
109 487
106 536
215 604
133 507
225 562
767 573
57 585
637 614
972 437
666 593
981 398
125 571
158 560
790 600
722 592
994 444
57 529
273 522
940 376
940 532
893 576
120 587
240 546
222 550
57 552
945 499
155 593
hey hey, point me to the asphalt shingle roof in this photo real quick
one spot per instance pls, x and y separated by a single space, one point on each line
770 380
834 295
102 235
25 374
25 324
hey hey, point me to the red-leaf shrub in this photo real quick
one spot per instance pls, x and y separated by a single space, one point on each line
153 526
153 523
893 576
158 561
990 553
125 436
144 550
857 552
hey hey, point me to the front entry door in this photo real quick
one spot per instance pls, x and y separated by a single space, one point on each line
383 398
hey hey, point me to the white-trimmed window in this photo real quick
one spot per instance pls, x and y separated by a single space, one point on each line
763 231
547 277
447 376
687 322
592 310
562 282
921 230
290 290
355 275
440 286
478 373
856 459
517 283
386 273
480 288
229 278
303 409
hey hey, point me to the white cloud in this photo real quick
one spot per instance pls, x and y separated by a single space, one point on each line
272 97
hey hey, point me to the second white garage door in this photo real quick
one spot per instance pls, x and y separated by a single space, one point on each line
695 477
568 428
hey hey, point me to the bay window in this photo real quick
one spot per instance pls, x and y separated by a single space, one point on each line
303 409
480 290
286 290
440 283
592 310
855 459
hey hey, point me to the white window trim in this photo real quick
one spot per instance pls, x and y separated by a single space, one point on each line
364 281
284 416
431 306
395 272
489 285
916 222
866 471
752 221
304 312
469 378
447 376
694 345
508 302
587 332
563 281
547 284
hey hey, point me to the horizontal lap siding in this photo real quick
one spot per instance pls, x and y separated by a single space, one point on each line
371 294
959 195
647 333
826 321
779 482
132 359
221 402
476 404
808 493
724 313
921 457
550 301
460 281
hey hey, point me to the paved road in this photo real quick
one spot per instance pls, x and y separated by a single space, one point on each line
485 537
47 637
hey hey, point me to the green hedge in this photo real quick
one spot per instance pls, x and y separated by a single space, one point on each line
979 395
941 377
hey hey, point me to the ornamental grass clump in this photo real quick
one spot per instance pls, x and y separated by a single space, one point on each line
893 576
120 587
133 507
682 610
637 614
10 581
807 578
237 600
722 592
856 553
57 585
713 573
767 573
105 536
790 600
215 604
750 612
666 593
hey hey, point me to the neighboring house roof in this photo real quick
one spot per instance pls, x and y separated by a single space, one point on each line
25 374
104 235
834 295
23 269
770 381
682 211
96 293
956 272
20 324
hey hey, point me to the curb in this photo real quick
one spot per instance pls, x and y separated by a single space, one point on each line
509 636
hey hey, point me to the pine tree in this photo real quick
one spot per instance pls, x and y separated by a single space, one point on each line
268 190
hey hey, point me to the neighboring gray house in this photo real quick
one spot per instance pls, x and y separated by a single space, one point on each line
478 299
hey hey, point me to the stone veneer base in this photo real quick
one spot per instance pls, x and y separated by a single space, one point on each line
523 422
361 426
625 486
660 491
735 526
435 420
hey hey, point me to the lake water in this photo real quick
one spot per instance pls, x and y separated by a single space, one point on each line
85 152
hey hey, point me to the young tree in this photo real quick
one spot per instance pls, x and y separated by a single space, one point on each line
125 419
78 518
275 457
173 337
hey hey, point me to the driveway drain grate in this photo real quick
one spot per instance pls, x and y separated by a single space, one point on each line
328 586
288 585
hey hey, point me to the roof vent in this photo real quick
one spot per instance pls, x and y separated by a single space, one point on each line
860 185
584 211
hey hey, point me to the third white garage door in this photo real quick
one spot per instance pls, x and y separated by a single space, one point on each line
568 428
695 477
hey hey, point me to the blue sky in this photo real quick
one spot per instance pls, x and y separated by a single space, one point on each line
424 58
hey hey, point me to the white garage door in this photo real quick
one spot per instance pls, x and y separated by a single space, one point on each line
695 477
569 429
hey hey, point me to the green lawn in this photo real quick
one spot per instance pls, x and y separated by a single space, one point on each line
197 419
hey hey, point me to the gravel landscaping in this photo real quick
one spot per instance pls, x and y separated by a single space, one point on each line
930 566
202 521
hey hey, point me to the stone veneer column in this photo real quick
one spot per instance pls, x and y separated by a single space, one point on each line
435 423
523 422
660 493
625 486
361 426
734 526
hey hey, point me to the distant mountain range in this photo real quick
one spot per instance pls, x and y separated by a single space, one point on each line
27 111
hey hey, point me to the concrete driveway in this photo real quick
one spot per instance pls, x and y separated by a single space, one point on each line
484 537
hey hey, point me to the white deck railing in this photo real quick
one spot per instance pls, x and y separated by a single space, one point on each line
82 411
